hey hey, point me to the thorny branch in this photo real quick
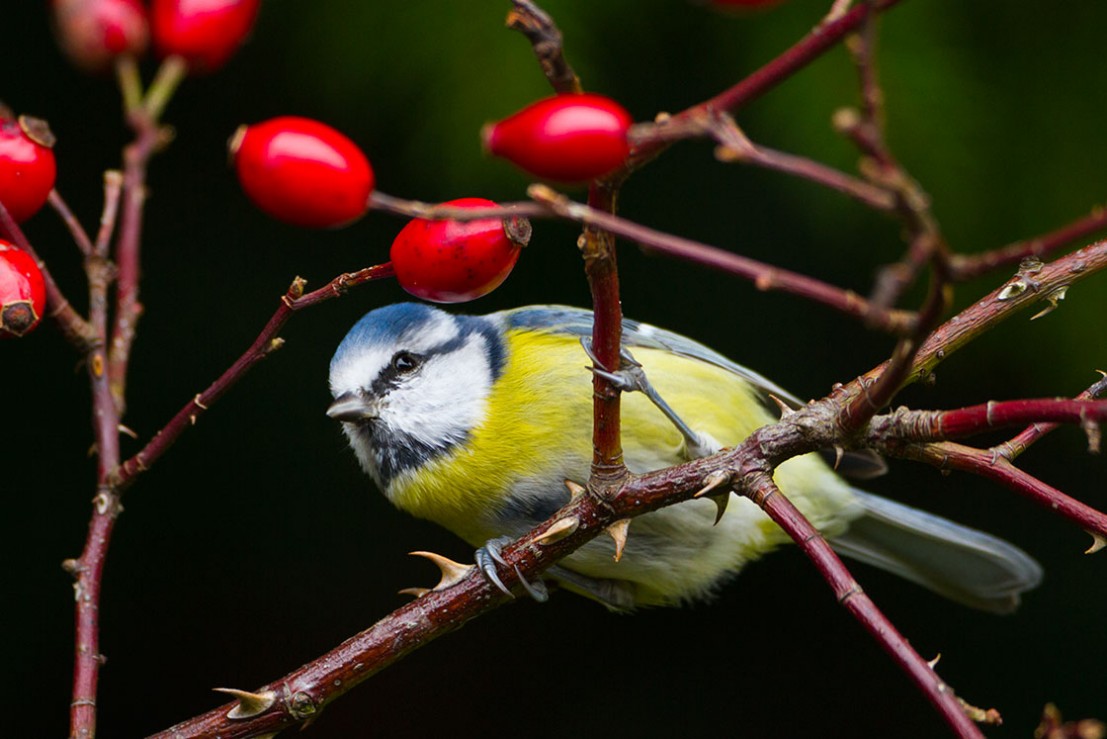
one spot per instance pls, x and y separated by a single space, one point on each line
302 694
305 692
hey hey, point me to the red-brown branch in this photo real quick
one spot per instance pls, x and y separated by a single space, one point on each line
598 250
802 53
761 489
88 569
924 426
128 252
764 276
948 455
968 266
1015 446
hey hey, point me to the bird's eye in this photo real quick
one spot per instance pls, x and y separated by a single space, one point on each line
404 362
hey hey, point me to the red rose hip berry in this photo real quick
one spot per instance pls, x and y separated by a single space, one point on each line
564 138
22 292
27 167
92 33
205 33
302 171
457 261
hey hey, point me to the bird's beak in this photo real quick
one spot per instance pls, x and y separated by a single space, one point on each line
352 407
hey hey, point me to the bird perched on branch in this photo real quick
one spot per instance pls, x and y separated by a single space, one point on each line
476 422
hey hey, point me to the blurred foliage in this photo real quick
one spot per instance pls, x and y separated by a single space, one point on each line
256 544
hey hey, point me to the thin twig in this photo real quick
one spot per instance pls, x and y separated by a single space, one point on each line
968 266
1012 448
265 344
764 276
545 38
948 455
734 146
781 68
149 137
76 230
113 188
74 327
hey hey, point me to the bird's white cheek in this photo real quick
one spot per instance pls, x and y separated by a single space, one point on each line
447 401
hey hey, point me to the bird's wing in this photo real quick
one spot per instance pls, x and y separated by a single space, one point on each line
578 322
862 464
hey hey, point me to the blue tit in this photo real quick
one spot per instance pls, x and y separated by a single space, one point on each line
476 422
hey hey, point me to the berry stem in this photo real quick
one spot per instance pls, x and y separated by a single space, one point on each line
76 230
169 75
130 83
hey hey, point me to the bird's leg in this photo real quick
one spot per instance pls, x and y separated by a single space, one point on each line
632 378
487 559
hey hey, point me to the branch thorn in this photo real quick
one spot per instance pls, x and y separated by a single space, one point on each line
716 479
558 531
618 532
785 409
249 704
1098 542
452 572
575 490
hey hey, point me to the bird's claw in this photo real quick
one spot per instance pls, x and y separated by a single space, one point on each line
488 557
631 377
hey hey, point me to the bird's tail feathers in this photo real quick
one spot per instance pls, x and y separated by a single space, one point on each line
958 562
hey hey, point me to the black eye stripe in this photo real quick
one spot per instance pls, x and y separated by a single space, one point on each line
403 363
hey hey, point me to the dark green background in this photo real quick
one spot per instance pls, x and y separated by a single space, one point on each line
256 544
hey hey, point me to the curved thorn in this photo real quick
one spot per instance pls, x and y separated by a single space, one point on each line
716 479
721 501
558 530
618 532
452 572
249 704
575 490
1098 542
